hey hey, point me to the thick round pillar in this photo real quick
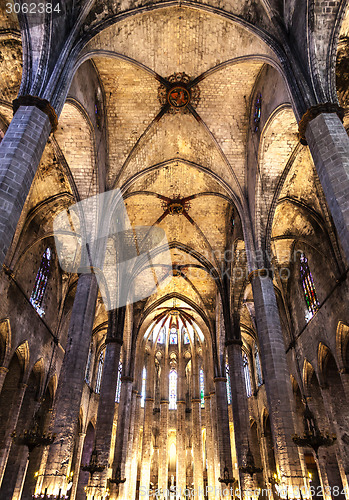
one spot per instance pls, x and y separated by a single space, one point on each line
70 386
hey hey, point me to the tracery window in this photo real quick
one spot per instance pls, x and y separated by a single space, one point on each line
247 375
173 390
41 280
202 388
258 366
118 384
186 338
173 336
257 112
99 372
308 287
227 374
88 366
144 381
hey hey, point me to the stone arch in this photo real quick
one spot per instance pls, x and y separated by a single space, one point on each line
342 345
308 371
5 341
23 354
39 371
323 356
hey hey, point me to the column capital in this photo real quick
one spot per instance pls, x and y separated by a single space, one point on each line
3 369
165 402
196 400
219 379
261 273
126 379
42 104
313 112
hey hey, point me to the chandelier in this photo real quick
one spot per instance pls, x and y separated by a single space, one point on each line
32 438
249 467
94 465
312 437
226 479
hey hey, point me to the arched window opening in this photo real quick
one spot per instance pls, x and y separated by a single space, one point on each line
247 375
227 374
41 280
258 366
308 287
186 339
118 384
99 372
173 390
144 381
88 367
257 112
202 388
161 337
173 335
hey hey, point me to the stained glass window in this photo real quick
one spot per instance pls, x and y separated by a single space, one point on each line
161 337
88 366
118 384
173 390
247 375
144 381
41 280
202 388
308 287
99 372
258 366
186 338
173 335
227 374
257 112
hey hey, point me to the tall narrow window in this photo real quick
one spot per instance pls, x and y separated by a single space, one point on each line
247 375
257 112
88 366
308 287
173 390
118 384
186 339
227 374
99 372
161 337
41 280
258 366
144 381
202 388
173 335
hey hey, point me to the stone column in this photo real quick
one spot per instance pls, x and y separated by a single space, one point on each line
181 427
277 379
329 145
3 373
223 431
134 457
240 409
164 409
121 439
197 428
147 431
76 470
210 446
20 153
70 386
14 412
214 426
105 417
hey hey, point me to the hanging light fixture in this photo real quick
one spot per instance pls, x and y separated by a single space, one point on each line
34 437
94 465
312 437
250 467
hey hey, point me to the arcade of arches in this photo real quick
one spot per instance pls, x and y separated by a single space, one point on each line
223 124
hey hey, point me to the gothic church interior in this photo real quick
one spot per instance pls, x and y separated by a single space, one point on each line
223 124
